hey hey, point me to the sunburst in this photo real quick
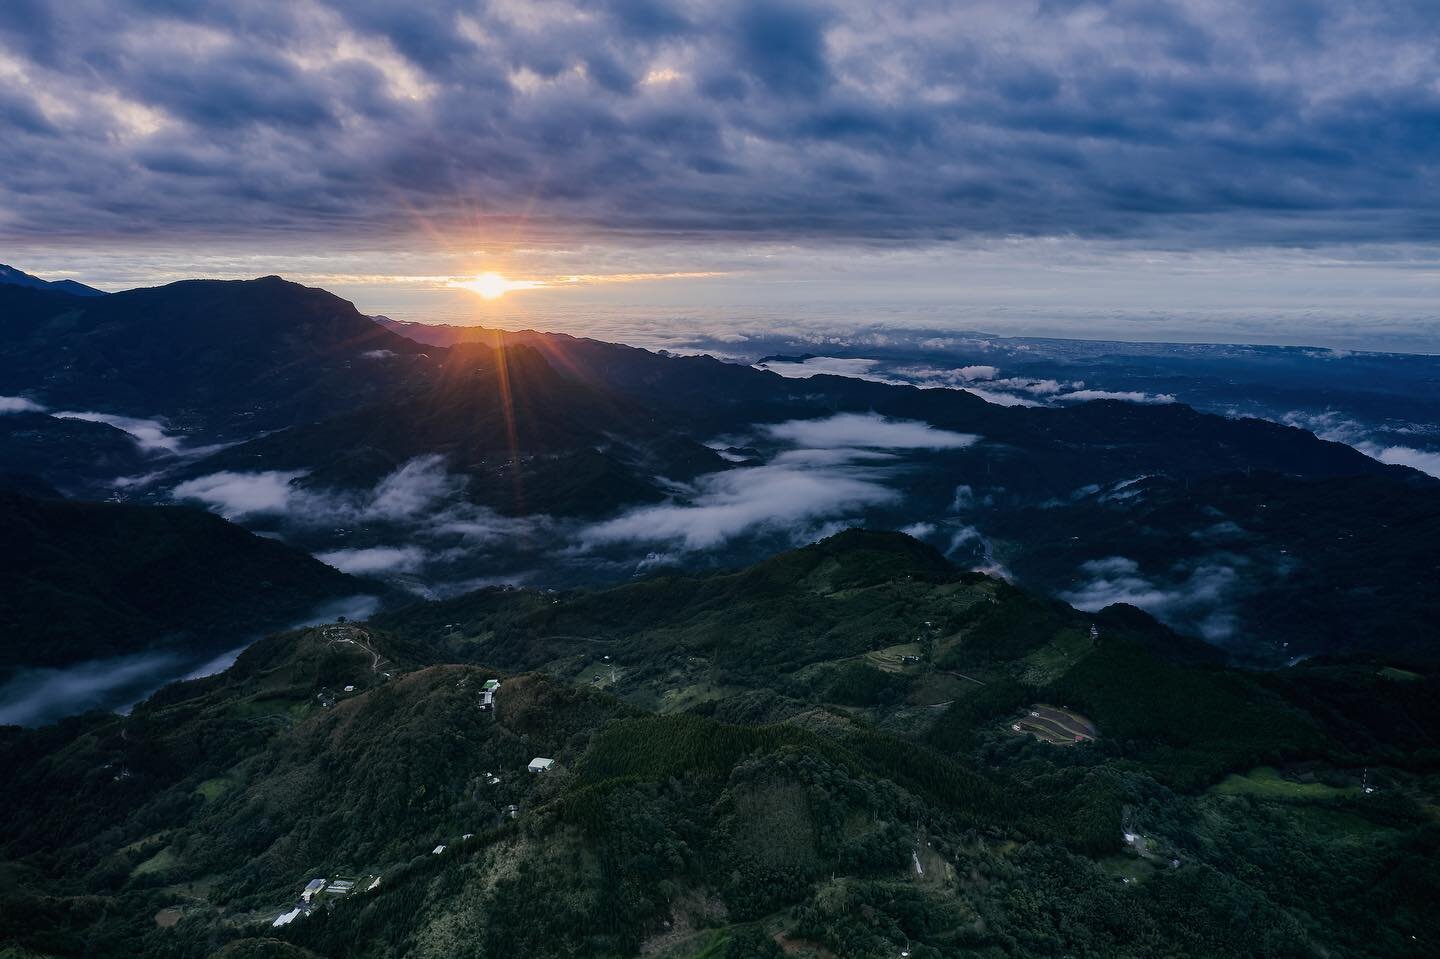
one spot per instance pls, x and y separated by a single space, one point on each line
492 286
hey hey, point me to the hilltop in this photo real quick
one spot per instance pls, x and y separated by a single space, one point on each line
219 354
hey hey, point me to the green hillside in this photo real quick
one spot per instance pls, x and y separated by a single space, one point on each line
836 752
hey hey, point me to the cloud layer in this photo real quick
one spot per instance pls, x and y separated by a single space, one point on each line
835 467
18 404
1338 428
784 494
34 696
237 496
1002 391
1206 122
152 436
1196 598
149 435
415 525
861 431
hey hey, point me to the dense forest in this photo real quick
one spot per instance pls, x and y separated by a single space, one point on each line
85 580
851 749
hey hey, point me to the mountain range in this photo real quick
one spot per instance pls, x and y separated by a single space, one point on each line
321 641
554 460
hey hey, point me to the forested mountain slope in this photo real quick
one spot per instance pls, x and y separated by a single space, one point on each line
965 769
85 581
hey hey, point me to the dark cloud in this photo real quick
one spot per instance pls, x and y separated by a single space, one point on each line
1215 122
783 46
648 19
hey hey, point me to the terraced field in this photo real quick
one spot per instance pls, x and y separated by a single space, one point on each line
1055 724
892 658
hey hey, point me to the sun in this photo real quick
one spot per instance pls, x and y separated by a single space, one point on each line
492 286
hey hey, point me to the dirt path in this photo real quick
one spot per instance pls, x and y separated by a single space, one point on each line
355 636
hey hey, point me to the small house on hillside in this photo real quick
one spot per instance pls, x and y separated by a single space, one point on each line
540 765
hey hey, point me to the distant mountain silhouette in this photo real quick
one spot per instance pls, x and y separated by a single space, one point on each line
13 277
238 355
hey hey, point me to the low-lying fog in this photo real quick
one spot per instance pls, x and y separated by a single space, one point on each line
34 697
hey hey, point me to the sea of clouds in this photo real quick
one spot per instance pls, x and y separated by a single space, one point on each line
983 380
417 528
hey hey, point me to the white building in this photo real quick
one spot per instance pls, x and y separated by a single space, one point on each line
540 764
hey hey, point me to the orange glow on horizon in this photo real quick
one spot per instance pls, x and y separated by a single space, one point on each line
492 286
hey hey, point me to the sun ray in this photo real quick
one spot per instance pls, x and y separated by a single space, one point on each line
507 410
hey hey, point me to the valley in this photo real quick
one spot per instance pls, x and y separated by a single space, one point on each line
545 460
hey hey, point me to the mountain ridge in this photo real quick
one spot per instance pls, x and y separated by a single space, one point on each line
88 581
559 436
11 276
224 352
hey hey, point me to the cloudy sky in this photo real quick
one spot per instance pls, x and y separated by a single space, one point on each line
1209 169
